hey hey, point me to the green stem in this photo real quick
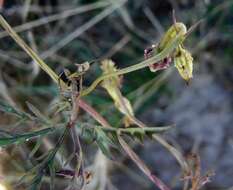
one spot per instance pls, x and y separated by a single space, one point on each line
28 50
155 59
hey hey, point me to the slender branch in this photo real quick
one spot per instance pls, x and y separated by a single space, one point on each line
124 145
94 113
28 50
179 157
155 59
143 167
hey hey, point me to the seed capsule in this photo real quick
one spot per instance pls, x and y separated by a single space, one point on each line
177 28
184 63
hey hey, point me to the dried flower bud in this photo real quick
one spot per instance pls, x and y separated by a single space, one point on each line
82 67
127 105
112 85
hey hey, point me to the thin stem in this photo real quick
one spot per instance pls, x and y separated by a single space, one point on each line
94 113
179 157
157 137
141 165
155 59
27 49
127 149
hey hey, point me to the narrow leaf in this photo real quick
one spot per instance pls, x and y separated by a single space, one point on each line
13 111
24 137
36 147
38 113
104 142
52 175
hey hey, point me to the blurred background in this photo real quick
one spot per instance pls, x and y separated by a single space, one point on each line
74 31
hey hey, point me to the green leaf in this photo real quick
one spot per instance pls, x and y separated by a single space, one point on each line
137 132
102 135
38 114
104 142
36 147
24 137
13 111
88 134
143 131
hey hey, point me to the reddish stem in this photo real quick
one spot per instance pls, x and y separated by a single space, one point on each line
93 113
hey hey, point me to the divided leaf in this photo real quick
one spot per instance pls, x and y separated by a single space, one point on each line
141 132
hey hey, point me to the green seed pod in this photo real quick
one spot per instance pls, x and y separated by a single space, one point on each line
184 63
177 28
183 60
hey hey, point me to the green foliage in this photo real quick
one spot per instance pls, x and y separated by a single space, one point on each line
104 142
6 108
25 137
106 136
